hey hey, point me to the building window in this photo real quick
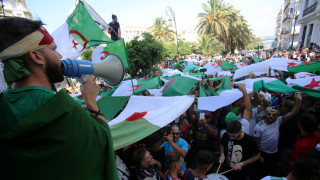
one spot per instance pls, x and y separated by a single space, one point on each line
14 6
19 15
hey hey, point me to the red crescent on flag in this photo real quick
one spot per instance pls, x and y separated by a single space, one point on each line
105 52
81 36
217 65
171 81
135 116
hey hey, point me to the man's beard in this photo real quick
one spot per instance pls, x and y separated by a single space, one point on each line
54 72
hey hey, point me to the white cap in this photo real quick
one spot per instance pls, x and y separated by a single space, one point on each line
249 55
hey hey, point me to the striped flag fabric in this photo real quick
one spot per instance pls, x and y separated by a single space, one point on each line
179 85
144 115
81 31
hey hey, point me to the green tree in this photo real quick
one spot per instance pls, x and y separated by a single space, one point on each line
223 22
87 55
210 45
195 47
255 44
161 31
143 54
172 52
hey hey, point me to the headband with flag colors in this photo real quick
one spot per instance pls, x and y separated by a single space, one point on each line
34 41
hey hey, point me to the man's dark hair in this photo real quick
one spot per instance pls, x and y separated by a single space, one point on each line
138 155
234 127
305 169
308 123
172 158
175 125
13 29
204 159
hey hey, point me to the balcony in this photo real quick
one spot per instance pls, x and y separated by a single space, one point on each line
285 32
284 10
286 18
310 9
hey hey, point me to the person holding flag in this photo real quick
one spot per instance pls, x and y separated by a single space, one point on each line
114 29
43 134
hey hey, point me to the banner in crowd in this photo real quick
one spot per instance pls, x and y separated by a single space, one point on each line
144 115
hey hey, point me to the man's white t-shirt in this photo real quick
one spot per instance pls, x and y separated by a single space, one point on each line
269 135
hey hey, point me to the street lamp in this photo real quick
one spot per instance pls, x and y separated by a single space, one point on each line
171 15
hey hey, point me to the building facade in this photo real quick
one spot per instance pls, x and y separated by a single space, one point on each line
130 32
16 8
278 28
310 23
290 27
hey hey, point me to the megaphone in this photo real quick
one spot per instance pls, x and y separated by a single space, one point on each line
111 69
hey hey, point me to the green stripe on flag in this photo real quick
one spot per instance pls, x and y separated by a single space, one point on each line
308 91
147 84
128 132
305 67
276 86
84 28
118 47
111 105
178 86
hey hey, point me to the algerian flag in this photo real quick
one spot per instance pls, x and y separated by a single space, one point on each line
303 75
224 73
110 106
80 31
256 59
308 82
139 85
241 64
257 69
265 83
212 68
178 86
170 72
308 91
281 64
212 103
190 67
117 47
305 67
144 115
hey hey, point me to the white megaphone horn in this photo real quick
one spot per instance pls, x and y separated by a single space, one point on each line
111 69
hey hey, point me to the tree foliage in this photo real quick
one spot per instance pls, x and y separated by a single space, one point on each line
255 44
223 22
161 31
210 45
143 54
87 55
171 49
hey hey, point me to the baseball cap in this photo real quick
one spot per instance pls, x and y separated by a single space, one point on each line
249 55
231 116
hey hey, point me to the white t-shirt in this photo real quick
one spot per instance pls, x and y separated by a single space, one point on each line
269 135
256 118
123 171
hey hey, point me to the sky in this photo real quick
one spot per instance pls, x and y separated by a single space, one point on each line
260 14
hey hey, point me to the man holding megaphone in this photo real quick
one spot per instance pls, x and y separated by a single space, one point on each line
43 134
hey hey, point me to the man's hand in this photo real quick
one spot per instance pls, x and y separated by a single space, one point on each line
89 91
237 167
242 87
222 158
211 83
170 138
204 122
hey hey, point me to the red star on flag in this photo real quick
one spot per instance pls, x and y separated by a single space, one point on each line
313 84
290 64
74 44
101 58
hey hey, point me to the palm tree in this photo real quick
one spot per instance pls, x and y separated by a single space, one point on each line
210 45
215 19
161 31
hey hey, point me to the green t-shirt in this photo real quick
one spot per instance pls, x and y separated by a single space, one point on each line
16 104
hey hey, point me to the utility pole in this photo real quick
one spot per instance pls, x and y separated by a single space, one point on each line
169 10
